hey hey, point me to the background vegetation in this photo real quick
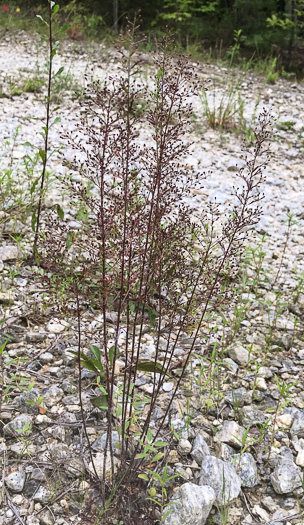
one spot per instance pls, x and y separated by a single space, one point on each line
250 29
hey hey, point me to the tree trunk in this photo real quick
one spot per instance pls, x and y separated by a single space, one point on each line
290 12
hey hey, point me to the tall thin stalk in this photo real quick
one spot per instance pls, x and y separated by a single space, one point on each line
44 153
53 8
290 222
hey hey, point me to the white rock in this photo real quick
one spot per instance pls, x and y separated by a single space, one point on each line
239 354
231 433
46 518
7 297
300 458
264 371
192 505
15 481
99 465
285 420
246 469
269 504
270 297
261 384
43 495
32 520
100 444
200 449
53 395
56 327
222 477
9 253
83 486
298 443
184 447
20 449
47 357
231 365
261 512
286 478
21 426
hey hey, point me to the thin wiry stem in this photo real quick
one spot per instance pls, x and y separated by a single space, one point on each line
46 131
79 381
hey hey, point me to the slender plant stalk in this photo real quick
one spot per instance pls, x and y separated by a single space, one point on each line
44 153
290 223
79 380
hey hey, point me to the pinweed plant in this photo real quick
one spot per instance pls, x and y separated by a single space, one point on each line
133 258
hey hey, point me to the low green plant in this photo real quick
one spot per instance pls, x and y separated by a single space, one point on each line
16 381
286 125
234 51
175 434
162 501
38 402
290 221
223 508
272 74
13 272
224 111
256 376
16 196
254 262
245 443
209 380
232 325
2 348
34 84
299 288
284 399
236 403
82 22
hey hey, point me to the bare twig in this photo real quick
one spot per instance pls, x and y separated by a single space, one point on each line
13 508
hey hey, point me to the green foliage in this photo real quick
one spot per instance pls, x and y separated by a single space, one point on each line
286 126
223 509
234 51
224 111
260 24
272 74
182 10
17 185
160 500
